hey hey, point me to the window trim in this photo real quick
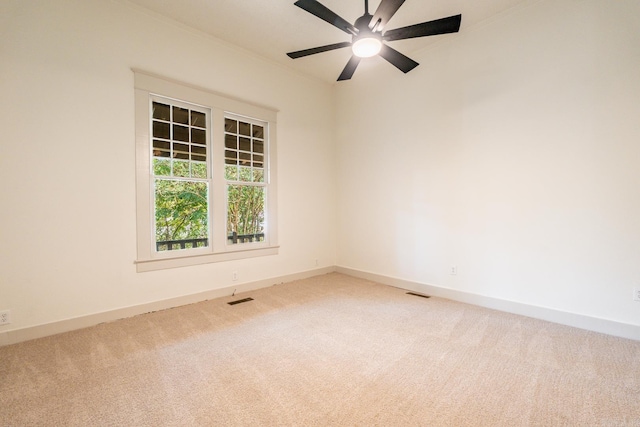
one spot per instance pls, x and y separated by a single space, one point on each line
146 87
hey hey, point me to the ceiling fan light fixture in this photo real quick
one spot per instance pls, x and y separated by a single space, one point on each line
367 37
367 46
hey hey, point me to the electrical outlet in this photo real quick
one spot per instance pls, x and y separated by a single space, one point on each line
454 270
636 294
316 262
234 276
5 317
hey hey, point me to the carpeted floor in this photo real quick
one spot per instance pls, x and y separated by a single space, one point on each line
330 350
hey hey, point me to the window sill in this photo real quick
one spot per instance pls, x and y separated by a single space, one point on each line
189 260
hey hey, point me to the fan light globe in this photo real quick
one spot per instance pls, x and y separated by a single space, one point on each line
366 47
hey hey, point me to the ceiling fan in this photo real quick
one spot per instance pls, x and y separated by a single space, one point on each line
367 37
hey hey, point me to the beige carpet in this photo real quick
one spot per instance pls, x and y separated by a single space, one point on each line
330 350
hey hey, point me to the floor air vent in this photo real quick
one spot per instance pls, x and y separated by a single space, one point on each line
418 295
240 301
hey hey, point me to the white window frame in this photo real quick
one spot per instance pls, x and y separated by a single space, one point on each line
149 87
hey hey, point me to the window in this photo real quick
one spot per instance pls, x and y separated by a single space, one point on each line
179 134
205 176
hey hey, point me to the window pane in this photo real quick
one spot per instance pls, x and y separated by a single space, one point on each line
180 149
244 174
181 115
245 144
161 130
198 154
199 170
162 167
231 172
180 133
230 157
230 126
230 141
198 150
198 119
258 132
245 213
245 159
181 214
161 148
198 136
161 111
181 168
245 129
161 145
258 147
258 175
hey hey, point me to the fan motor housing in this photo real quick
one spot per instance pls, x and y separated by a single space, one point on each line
362 23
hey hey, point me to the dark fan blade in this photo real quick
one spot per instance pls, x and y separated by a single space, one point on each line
312 51
317 9
350 68
397 59
386 10
431 28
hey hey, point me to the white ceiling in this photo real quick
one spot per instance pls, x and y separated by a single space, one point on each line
271 28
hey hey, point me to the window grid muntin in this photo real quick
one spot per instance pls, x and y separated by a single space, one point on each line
179 137
245 149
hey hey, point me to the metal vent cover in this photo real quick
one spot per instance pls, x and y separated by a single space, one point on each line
240 301
418 295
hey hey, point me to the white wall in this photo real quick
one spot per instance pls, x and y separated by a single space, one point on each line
67 157
512 152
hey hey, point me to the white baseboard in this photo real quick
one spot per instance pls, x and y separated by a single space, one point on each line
605 326
32 332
